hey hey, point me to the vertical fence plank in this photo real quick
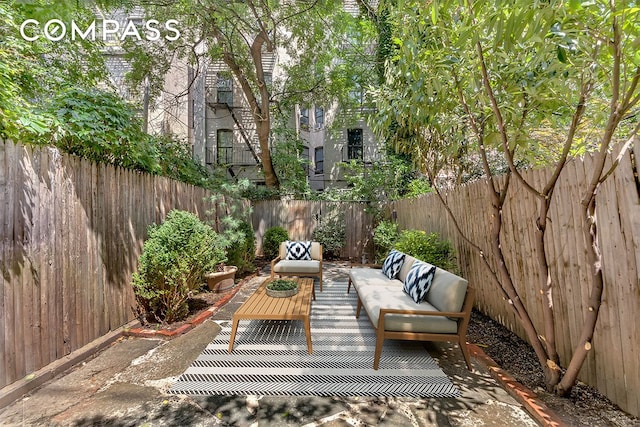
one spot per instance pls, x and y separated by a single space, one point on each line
8 318
4 277
629 205
44 257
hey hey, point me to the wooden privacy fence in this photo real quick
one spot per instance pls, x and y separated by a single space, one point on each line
71 232
301 217
613 365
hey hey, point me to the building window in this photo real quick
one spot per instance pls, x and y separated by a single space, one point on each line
319 160
225 146
319 117
305 160
304 118
208 153
224 88
354 144
268 79
356 95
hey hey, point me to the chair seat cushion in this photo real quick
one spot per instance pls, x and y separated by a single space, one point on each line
290 266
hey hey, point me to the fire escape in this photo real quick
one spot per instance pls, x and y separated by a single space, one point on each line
222 101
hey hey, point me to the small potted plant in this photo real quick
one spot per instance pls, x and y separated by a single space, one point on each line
282 288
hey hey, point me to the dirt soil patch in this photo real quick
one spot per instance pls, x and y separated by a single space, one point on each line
203 300
585 406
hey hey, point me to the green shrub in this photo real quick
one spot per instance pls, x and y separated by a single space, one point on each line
418 187
331 233
271 241
384 237
427 247
282 285
242 253
174 259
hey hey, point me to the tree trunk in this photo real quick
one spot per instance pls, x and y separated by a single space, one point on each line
552 370
270 177
595 301
259 110
507 285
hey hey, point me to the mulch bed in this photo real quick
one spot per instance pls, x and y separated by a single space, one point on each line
585 406
201 306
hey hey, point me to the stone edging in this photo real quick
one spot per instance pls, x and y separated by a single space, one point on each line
141 332
527 398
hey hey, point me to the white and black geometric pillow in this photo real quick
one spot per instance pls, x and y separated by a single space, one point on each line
393 264
300 251
419 280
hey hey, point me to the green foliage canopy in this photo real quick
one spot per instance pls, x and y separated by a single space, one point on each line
538 55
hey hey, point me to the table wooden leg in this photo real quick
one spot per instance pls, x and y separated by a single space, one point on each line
234 329
307 331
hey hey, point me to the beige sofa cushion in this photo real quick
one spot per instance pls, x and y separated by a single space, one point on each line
364 277
292 266
447 291
391 296
406 267
315 250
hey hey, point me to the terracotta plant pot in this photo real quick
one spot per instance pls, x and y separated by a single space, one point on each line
221 281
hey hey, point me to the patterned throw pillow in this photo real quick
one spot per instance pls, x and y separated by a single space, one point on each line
392 264
419 280
299 251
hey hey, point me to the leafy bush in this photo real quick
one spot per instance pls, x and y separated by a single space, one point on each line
384 237
271 241
418 187
174 258
331 233
243 252
100 126
427 247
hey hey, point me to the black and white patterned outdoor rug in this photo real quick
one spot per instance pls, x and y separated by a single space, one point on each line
271 358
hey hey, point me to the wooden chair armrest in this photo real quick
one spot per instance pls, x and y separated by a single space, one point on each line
274 261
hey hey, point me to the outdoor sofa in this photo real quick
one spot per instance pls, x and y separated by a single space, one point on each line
443 315
298 258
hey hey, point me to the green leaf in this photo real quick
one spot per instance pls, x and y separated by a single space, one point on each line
636 58
575 5
562 54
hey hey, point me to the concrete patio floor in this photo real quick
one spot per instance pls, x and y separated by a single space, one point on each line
126 384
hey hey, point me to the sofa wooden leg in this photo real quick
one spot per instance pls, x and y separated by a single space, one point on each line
349 285
321 281
465 353
358 308
376 356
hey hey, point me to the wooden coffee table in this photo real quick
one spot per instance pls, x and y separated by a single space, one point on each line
261 306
